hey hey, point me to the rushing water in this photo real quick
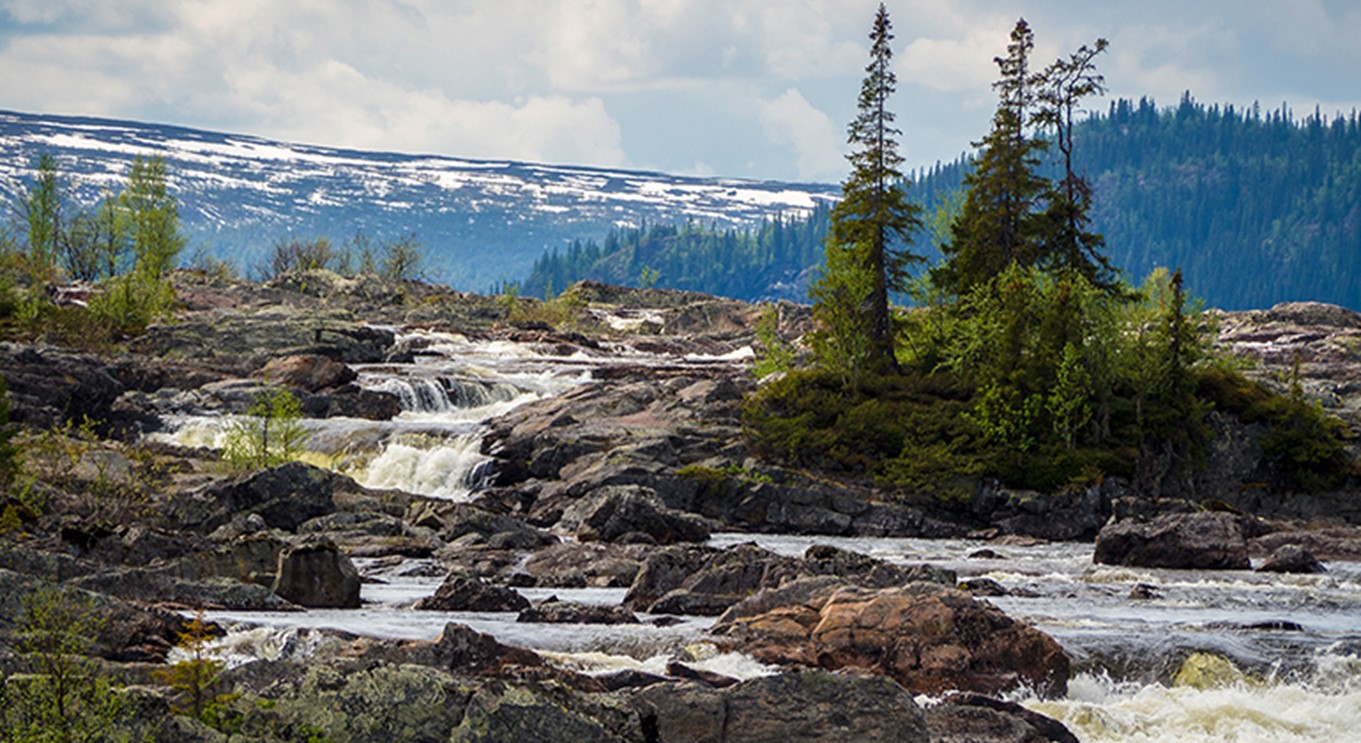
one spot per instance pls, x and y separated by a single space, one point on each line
1294 641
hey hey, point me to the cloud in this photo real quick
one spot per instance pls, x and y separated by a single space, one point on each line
792 120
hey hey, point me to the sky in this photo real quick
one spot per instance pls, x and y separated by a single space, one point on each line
738 88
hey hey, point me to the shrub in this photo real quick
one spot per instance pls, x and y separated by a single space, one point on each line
270 433
194 679
66 696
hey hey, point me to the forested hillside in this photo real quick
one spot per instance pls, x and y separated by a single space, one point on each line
1256 208
773 261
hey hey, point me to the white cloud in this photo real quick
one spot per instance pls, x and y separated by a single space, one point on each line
792 120
577 80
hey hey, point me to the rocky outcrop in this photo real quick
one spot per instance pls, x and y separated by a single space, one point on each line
284 497
1326 543
116 629
307 372
802 706
459 593
317 575
553 611
631 513
242 341
580 565
1199 541
925 636
706 581
48 386
469 525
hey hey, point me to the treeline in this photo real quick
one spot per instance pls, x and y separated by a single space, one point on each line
1256 207
773 261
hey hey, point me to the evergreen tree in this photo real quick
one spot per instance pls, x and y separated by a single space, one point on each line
873 224
997 224
1062 86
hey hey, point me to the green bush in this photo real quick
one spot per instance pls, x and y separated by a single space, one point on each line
270 433
66 695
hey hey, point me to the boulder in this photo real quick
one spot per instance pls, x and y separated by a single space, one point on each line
1199 541
631 513
925 636
974 718
1291 558
553 611
455 521
307 372
317 575
705 581
591 564
796 706
284 496
458 593
355 402
388 702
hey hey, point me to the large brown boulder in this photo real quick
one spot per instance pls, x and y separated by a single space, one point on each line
925 636
1198 541
317 575
308 372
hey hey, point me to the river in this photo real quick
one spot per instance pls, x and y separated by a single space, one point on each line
1293 641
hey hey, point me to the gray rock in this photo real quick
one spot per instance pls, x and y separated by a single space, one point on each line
552 611
284 497
458 593
613 513
804 706
1203 541
974 718
317 575
1291 558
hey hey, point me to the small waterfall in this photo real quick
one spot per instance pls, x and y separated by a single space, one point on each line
418 394
446 394
441 468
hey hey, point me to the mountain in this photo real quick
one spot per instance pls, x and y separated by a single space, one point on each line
1256 208
481 222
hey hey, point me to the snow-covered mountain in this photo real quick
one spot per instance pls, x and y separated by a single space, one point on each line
480 221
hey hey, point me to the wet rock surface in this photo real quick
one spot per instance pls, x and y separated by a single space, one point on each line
925 636
1207 541
614 484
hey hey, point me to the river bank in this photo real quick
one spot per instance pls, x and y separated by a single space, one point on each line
459 444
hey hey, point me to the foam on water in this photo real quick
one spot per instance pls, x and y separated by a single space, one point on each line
1098 709
701 656
441 468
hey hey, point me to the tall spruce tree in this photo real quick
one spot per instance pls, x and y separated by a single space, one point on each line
1062 86
871 228
998 224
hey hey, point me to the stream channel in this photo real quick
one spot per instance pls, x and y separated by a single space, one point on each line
1295 640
